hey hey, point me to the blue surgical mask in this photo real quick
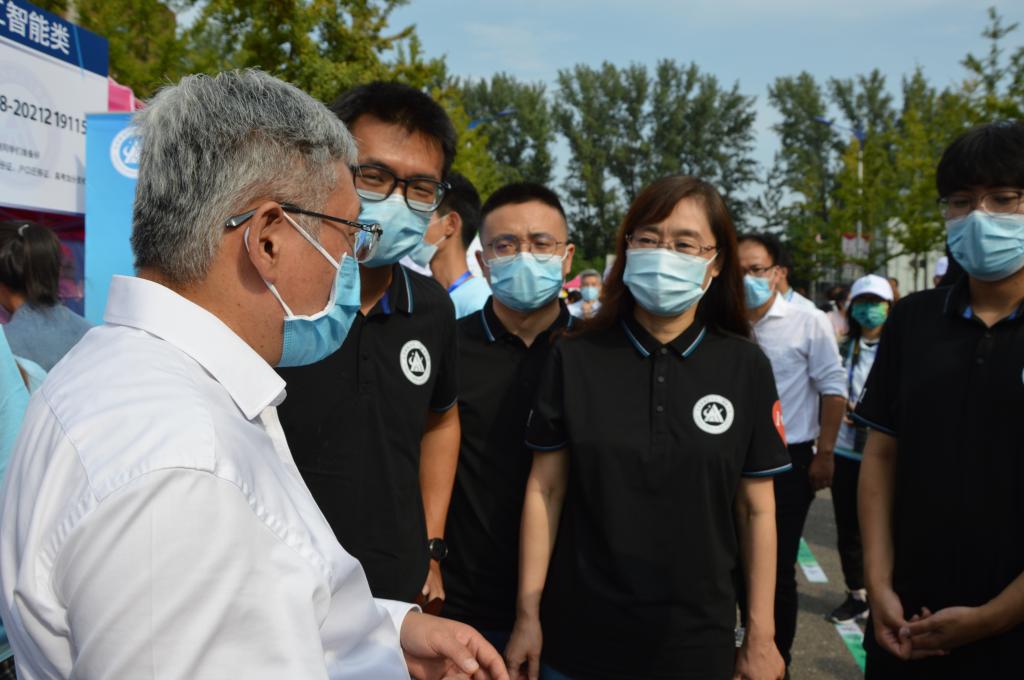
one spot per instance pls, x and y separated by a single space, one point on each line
424 253
663 282
524 283
757 290
870 315
403 228
988 247
589 293
309 339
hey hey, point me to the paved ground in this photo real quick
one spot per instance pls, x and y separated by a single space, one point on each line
819 651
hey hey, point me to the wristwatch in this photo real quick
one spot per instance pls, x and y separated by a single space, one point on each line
437 548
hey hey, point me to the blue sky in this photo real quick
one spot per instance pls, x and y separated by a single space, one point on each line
746 40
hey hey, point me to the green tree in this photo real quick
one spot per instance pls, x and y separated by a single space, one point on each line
520 141
995 82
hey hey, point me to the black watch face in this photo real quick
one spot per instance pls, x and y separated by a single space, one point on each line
438 549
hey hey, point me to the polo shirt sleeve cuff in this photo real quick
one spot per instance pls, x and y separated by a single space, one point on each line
397 611
861 420
545 447
770 472
444 409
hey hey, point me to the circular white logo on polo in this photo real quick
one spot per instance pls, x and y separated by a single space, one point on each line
415 360
713 414
124 152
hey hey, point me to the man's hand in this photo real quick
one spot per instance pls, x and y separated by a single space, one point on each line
522 655
820 470
433 590
439 649
947 629
759 661
887 619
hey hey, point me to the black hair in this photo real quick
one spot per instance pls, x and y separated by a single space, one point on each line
770 243
462 198
521 192
400 104
988 155
30 261
785 260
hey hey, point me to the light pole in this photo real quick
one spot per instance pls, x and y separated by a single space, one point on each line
859 133
477 122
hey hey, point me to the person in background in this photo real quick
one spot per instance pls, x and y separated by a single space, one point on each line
941 267
812 387
383 472
942 481
41 329
153 524
590 293
837 301
641 509
871 299
452 228
571 297
792 295
502 350
13 402
895 285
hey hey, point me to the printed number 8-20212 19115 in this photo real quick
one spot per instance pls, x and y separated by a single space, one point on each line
41 114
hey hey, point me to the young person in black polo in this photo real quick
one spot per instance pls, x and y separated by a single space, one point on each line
502 351
656 433
374 428
942 480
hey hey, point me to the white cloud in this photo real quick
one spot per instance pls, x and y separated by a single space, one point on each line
525 50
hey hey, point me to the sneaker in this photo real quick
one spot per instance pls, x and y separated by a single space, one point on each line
851 609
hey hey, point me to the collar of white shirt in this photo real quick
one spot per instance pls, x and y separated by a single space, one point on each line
159 311
778 309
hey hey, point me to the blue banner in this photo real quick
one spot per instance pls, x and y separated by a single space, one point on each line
26 24
112 156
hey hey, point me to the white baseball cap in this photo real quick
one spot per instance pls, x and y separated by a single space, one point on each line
872 284
941 266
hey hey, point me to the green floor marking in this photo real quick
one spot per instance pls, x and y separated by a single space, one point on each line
812 570
853 636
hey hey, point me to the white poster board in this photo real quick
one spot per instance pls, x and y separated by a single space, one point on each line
51 74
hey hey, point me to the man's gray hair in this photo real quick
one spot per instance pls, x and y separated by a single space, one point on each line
589 272
211 145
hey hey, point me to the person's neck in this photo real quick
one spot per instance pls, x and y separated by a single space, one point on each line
373 283
871 334
527 325
757 313
263 337
665 329
993 301
12 301
449 264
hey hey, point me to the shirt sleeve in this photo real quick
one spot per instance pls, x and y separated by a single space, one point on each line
13 402
545 426
878 405
446 389
175 576
767 454
824 363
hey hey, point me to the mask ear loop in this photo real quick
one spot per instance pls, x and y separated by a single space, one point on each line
313 242
268 284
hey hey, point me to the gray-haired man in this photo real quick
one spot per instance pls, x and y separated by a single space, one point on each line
153 523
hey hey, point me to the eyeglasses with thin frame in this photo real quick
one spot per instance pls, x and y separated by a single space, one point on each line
993 202
363 238
375 183
759 271
683 244
542 246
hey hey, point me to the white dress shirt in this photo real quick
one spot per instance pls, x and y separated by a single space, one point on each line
805 360
154 523
795 298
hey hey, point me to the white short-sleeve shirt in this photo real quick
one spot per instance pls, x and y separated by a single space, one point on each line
154 524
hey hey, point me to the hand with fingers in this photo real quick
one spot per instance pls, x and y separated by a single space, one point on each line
522 655
938 633
440 649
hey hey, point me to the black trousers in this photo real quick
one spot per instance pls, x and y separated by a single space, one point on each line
844 502
793 496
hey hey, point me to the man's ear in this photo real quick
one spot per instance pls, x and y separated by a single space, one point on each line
452 227
570 250
484 269
266 232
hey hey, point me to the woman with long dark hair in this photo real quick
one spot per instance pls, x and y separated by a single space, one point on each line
41 329
656 432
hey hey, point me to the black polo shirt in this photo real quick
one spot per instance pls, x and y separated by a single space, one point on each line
641 578
354 422
951 391
498 377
